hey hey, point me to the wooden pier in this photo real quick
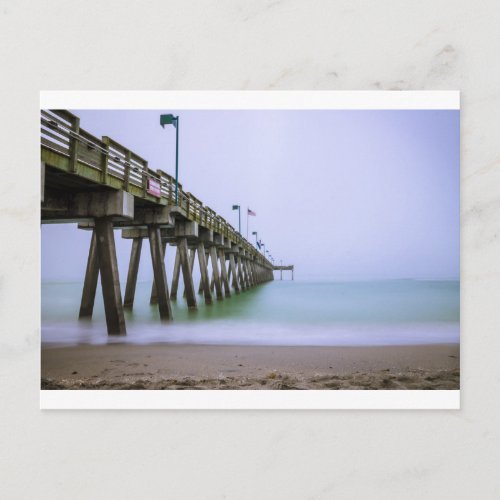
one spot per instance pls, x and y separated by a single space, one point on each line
104 186
283 268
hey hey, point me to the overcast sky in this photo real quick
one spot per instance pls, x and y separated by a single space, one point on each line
340 194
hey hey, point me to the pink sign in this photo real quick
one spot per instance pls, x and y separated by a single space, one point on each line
154 187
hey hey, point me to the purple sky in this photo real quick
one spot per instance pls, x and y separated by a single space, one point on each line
340 194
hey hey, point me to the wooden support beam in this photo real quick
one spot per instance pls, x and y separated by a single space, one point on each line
204 273
243 273
182 251
232 267
110 280
133 268
246 276
157 256
240 274
90 283
175 275
223 272
249 272
215 270
154 297
192 255
211 274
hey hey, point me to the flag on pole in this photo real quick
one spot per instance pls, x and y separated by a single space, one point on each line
258 244
251 212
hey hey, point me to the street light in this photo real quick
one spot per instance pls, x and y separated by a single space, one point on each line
256 245
173 120
237 207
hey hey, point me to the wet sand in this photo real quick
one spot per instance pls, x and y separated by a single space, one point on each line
174 366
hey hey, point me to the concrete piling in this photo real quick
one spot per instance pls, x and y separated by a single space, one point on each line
204 273
175 275
110 281
90 283
182 252
234 272
135 257
192 255
160 277
240 273
154 297
216 275
223 272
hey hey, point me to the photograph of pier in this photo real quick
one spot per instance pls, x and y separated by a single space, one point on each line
250 249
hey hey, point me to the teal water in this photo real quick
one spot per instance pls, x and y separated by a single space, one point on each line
394 312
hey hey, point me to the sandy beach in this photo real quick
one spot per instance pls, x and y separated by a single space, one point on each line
174 366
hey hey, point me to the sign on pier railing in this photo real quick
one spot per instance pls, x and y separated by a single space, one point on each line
154 187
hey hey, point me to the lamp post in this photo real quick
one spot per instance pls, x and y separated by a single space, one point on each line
173 120
237 207
255 232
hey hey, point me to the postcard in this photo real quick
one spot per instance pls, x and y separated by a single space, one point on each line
226 250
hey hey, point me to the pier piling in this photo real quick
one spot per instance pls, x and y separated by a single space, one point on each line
232 267
154 296
182 251
223 272
135 257
216 275
110 281
160 276
90 283
175 275
205 284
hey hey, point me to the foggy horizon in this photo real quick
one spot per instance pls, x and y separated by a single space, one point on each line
342 195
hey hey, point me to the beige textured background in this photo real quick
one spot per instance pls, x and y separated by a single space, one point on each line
287 44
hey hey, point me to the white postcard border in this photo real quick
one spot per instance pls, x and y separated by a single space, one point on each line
248 399
234 99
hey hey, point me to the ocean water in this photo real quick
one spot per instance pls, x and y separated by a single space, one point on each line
396 312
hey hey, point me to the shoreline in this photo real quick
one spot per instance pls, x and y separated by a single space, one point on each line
196 366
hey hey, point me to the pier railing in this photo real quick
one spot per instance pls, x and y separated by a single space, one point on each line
104 161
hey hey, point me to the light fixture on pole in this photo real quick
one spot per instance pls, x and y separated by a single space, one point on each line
237 207
173 120
256 240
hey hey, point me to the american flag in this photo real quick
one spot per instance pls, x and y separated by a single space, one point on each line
251 212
